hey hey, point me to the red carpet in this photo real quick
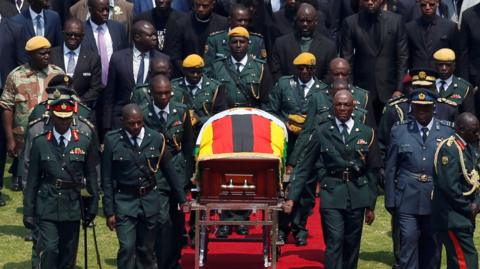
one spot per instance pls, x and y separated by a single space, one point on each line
243 255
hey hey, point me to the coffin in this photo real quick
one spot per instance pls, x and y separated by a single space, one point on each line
240 156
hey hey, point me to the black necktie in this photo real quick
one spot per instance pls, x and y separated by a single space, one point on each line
238 66
424 134
141 69
304 87
163 116
344 132
443 85
135 143
62 141
193 89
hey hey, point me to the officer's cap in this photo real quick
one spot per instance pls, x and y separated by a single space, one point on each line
423 96
63 108
37 42
444 55
193 61
423 76
239 31
305 58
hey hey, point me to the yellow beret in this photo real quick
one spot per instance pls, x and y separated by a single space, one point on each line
239 31
193 61
37 42
305 58
444 55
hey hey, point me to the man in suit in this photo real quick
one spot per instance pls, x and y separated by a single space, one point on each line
375 44
166 22
82 64
343 153
118 10
428 34
141 93
304 39
7 10
128 67
140 6
408 180
37 20
137 177
456 202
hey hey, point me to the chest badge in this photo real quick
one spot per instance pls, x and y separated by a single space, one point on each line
445 160
77 151
361 142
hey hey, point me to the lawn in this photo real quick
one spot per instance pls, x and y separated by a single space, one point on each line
15 252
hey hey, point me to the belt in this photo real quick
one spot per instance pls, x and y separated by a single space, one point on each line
345 175
246 104
136 190
420 177
62 184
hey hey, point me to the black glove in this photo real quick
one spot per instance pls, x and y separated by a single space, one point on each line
29 222
87 220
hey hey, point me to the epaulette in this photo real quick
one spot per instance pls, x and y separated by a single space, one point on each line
356 88
177 80
447 123
446 101
217 32
397 100
402 122
464 81
114 132
142 85
86 121
219 59
208 80
260 60
256 34
84 106
35 121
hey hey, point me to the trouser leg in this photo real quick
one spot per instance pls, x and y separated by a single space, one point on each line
147 229
68 245
353 223
410 234
47 247
461 252
333 225
127 236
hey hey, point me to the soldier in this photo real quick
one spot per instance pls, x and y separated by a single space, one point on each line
347 156
24 88
247 80
408 185
450 86
172 119
455 202
137 177
141 93
62 164
203 95
288 101
217 42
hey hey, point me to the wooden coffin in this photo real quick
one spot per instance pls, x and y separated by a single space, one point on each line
238 180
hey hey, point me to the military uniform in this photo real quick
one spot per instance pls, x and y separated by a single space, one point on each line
137 182
408 189
248 88
347 166
52 194
217 46
141 94
452 198
460 92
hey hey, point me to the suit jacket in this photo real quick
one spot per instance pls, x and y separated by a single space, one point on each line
10 33
87 77
287 47
117 32
469 60
378 68
140 6
53 31
408 158
443 33
7 9
122 12
120 85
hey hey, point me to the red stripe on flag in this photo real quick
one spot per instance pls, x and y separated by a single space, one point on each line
462 264
261 135
222 135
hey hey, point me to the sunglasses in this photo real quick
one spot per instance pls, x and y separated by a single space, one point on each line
73 35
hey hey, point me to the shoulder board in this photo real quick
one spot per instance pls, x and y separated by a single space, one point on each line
402 122
397 100
260 60
355 88
35 121
463 81
179 105
55 67
446 123
285 78
211 81
85 107
217 32
256 34
446 101
86 121
177 80
220 59
114 132
139 86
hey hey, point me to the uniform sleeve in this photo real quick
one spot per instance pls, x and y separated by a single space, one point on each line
402 53
33 182
187 148
266 84
7 100
346 43
220 104
107 182
274 103
90 172
172 177
373 164
209 54
390 172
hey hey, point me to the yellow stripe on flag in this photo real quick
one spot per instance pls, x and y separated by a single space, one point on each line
206 143
277 139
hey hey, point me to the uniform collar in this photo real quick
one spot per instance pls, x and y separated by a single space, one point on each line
67 135
350 122
67 50
158 110
429 125
198 85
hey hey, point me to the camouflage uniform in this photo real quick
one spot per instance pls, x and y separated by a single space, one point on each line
24 89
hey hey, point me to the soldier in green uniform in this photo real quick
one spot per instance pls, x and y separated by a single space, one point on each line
217 43
25 88
138 177
141 93
455 197
449 86
62 165
203 95
347 156
288 101
172 119
247 80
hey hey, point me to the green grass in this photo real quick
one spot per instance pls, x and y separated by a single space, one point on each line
15 253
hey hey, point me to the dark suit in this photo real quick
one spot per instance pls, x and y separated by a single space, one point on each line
469 64
287 47
117 32
120 85
87 77
425 38
377 67
140 6
52 30
7 9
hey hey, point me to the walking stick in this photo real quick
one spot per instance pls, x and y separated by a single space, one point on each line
96 246
85 252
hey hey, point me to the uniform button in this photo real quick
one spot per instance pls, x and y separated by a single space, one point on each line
424 147
63 155
59 193
424 158
63 168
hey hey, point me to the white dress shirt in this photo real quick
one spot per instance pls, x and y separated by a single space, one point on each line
66 56
349 124
34 15
67 136
139 137
198 85
137 56
308 85
243 62
429 127
164 112
107 36
448 82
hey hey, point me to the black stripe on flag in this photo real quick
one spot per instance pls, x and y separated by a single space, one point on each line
242 133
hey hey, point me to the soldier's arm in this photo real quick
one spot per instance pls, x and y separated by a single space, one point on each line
468 104
276 63
33 182
402 54
390 172
187 148
107 181
273 105
346 42
266 84
90 172
210 50
172 177
220 103
7 103
373 164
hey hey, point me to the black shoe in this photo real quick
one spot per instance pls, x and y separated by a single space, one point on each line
223 231
242 230
16 184
301 241
281 239
28 238
2 201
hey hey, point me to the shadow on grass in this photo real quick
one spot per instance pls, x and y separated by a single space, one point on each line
112 262
18 265
385 257
15 230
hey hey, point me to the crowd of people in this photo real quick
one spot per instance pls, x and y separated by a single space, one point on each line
102 100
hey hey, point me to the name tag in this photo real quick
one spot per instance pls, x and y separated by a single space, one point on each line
87 74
